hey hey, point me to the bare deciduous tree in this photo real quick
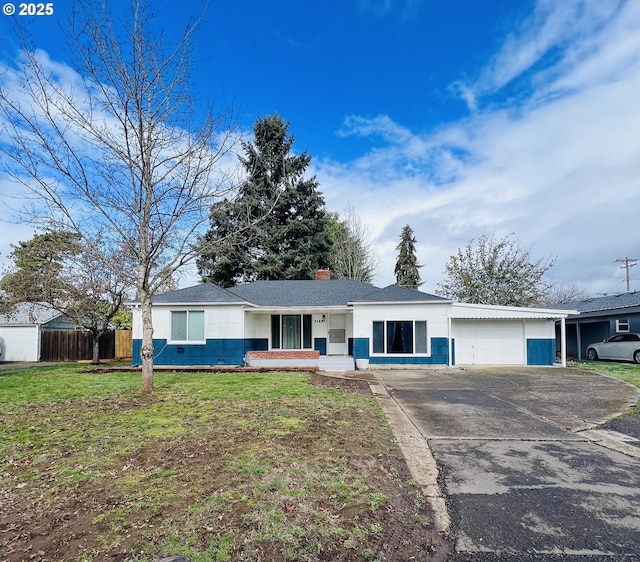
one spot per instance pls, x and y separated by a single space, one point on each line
562 293
353 256
117 149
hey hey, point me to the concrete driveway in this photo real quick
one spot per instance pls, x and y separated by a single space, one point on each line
523 472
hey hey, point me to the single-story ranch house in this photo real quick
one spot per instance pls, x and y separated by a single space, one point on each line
330 323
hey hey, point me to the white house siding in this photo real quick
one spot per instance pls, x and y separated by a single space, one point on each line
20 343
220 322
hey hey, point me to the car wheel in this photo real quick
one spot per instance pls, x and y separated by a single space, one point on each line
591 354
636 356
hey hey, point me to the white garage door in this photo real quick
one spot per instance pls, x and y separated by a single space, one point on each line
19 343
489 342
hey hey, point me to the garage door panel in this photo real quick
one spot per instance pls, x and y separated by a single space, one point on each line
486 342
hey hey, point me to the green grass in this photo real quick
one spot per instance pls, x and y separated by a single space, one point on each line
624 371
61 383
238 466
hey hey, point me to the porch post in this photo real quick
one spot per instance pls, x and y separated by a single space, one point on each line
563 342
450 358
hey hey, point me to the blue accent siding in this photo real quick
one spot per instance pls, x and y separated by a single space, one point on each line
439 354
213 352
320 345
361 348
440 351
232 352
256 344
541 351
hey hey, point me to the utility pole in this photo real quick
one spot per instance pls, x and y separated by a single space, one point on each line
628 264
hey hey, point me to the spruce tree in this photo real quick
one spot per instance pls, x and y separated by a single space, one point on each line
277 227
407 268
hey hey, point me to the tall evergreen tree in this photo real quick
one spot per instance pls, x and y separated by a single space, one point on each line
407 269
277 227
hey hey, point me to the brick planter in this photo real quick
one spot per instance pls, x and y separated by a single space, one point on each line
284 354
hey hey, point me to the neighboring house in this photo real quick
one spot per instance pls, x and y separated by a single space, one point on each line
329 323
599 318
21 332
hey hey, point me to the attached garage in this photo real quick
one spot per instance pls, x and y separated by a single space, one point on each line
483 342
501 335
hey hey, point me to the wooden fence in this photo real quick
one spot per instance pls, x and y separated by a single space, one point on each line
124 344
69 345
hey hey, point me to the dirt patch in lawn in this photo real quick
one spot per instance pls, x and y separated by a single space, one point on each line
311 477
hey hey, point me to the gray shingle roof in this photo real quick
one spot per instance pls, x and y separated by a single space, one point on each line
29 314
335 292
610 302
202 293
395 293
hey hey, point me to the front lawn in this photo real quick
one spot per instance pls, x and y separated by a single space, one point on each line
629 422
629 372
212 466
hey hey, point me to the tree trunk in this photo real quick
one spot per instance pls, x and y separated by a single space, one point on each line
95 360
146 352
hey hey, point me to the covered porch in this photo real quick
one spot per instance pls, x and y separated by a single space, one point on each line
301 337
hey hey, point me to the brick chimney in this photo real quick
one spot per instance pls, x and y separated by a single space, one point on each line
323 275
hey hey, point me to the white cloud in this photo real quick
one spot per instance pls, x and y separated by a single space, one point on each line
561 169
555 39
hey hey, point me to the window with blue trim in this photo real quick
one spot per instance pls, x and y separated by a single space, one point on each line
400 337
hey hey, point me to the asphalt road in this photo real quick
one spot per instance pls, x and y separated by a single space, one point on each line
525 472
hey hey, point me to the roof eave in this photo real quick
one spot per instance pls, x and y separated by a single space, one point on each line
401 302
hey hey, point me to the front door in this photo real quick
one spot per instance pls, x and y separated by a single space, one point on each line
337 340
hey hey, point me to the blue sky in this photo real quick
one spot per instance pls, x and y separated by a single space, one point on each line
459 118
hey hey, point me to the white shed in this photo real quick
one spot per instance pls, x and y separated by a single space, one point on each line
20 332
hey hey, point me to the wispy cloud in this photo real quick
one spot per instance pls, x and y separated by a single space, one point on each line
554 40
558 166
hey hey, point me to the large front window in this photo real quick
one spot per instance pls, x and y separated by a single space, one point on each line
400 337
291 331
187 325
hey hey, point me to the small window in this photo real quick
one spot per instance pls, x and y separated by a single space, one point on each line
187 325
622 325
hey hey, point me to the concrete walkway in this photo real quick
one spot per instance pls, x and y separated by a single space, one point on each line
525 473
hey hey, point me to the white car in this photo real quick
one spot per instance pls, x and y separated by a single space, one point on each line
622 347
